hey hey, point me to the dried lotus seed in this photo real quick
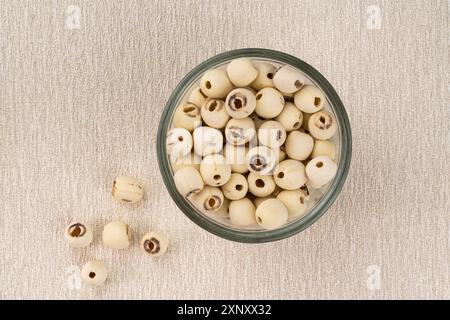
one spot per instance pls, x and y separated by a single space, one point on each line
271 214
215 84
299 145
154 244
236 188
94 273
265 75
242 213
214 170
178 143
235 156
309 99
116 235
187 116
261 160
258 201
127 189
269 103
214 114
287 79
207 141
240 103
290 118
295 202
259 185
320 171
271 134
240 131
241 72
190 160
188 181
322 125
79 234
210 199
290 174
197 97
323 148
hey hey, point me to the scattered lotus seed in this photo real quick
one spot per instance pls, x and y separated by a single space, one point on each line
78 234
94 273
127 189
154 244
117 235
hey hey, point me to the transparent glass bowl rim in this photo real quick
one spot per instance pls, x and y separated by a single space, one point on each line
326 200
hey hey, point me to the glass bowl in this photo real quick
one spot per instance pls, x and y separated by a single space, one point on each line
320 200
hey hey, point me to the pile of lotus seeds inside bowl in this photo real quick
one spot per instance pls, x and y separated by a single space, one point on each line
251 142
116 234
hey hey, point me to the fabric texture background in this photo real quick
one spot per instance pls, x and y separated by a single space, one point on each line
80 106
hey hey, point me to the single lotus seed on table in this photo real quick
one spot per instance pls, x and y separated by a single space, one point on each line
154 244
295 202
323 148
187 116
242 213
288 80
216 84
94 273
190 160
309 99
209 200
236 188
214 114
207 141
241 72
178 142
116 235
322 125
236 157
188 181
261 160
299 145
290 174
271 214
240 131
79 234
127 189
265 75
240 103
197 97
291 118
271 134
214 170
269 103
320 171
260 185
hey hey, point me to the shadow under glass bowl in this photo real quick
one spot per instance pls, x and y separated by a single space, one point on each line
342 140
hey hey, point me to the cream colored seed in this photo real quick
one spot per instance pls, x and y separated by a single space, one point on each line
291 118
236 188
116 235
323 148
309 99
154 244
287 79
197 97
207 141
258 201
290 174
320 171
261 160
322 125
299 145
127 189
235 156
188 181
94 273
214 170
189 160
269 103
240 103
241 72
214 114
271 214
209 200
215 84
178 143
240 131
265 75
259 185
271 134
242 213
295 202
187 116
79 234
